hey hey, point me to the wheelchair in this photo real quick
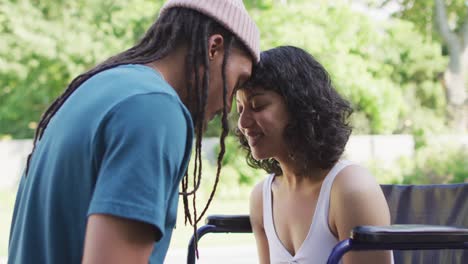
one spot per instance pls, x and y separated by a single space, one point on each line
429 224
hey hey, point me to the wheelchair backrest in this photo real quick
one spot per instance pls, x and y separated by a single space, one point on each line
443 204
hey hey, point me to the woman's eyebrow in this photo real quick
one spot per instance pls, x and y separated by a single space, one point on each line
251 96
254 94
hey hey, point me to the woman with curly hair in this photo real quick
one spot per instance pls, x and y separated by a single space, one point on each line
293 125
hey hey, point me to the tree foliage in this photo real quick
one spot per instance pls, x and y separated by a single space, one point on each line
421 13
447 23
387 68
47 43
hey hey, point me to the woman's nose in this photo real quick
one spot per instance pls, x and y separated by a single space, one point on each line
245 120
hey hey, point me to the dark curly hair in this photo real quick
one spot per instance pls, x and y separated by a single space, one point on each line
318 129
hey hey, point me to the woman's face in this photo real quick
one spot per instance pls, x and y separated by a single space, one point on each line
263 117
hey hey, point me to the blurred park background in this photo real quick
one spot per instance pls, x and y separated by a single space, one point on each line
402 63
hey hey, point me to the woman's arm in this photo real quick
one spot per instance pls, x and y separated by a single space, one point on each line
356 199
256 219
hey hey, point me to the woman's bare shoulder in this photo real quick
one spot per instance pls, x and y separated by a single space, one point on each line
357 199
256 203
354 178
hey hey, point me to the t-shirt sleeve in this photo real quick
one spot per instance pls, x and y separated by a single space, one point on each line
144 149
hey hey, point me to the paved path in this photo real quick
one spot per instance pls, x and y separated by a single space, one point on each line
216 255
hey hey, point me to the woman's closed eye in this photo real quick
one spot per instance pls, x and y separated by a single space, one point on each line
256 107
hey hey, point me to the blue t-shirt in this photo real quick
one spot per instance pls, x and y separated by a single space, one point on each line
119 145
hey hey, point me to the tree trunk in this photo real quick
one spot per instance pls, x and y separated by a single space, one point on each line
456 99
456 76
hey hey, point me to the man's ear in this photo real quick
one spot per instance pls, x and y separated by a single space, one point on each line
215 46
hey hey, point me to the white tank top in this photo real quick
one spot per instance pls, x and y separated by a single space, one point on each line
319 242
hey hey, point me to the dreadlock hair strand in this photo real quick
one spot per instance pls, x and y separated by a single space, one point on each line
225 127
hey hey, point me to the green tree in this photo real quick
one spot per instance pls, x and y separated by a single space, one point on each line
447 22
47 43
386 68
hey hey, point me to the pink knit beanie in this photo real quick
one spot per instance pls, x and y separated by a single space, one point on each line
229 13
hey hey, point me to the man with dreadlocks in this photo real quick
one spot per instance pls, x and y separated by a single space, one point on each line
101 184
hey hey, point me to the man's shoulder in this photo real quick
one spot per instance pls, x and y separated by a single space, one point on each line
132 79
127 86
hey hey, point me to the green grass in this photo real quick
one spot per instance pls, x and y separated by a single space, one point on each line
180 237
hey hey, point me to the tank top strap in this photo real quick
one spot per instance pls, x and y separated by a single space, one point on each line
267 202
330 178
323 203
